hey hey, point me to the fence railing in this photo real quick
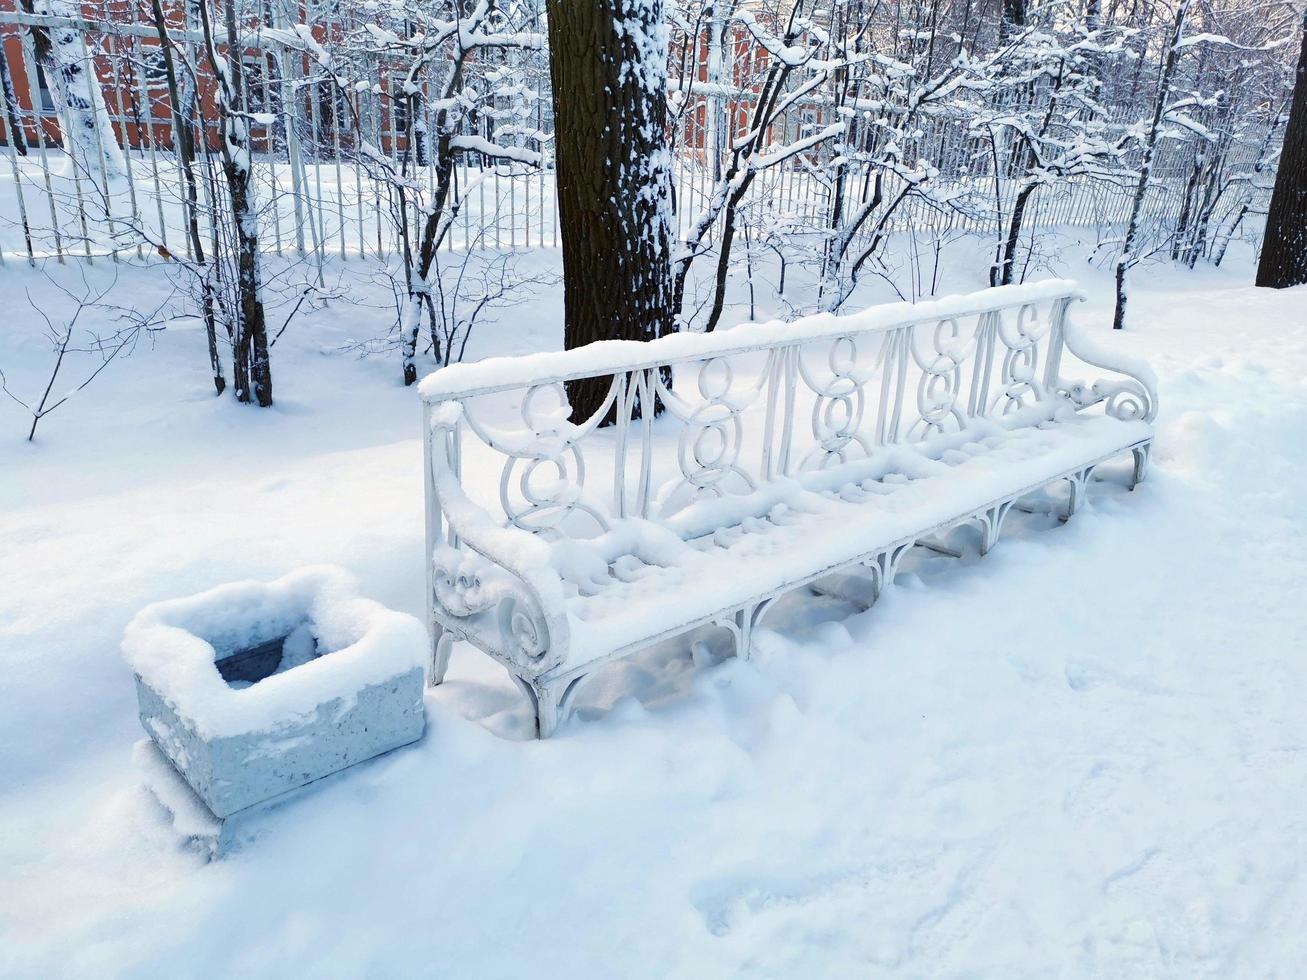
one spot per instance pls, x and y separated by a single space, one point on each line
317 199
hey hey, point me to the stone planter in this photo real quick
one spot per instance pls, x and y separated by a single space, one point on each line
253 689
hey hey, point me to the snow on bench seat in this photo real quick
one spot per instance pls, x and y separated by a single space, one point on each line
785 453
813 535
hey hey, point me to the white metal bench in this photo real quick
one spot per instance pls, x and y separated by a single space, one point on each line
786 452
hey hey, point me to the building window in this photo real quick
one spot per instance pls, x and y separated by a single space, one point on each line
156 69
43 90
256 84
399 113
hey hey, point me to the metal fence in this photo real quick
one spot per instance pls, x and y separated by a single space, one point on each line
318 200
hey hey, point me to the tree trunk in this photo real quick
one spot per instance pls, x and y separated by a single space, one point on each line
1178 243
1224 235
1127 258
184 141
77 94
249 277
16 136
252 371
1002 276
433 229
724 259
1011 20
608 63
1284 247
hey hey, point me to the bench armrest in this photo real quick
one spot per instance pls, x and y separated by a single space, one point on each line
1132 394
491 569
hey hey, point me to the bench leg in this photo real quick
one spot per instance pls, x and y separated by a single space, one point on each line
549 712
1079 484
743 632
741 624
741 627
442 643
1142 454
551 701
991 525
886 565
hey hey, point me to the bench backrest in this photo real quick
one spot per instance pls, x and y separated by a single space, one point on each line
750 405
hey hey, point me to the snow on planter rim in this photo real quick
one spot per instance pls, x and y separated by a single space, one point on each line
173 647
610 356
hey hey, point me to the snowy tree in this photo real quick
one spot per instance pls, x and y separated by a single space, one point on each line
454 72
63 54
1250 182
789 71
1049 123
252 370
889 100
1129 256
1284 249
1226 118
180 109
223 192
90 330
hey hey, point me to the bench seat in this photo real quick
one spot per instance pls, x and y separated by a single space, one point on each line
668 579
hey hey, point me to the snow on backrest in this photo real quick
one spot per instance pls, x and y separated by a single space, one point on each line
747 406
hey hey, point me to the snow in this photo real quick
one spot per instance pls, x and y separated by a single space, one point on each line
826 522
1089 347
782 153
606 357
1080 756
1221 39
172 647
792 55
482 145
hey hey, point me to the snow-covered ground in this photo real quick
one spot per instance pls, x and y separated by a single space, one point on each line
1084 755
